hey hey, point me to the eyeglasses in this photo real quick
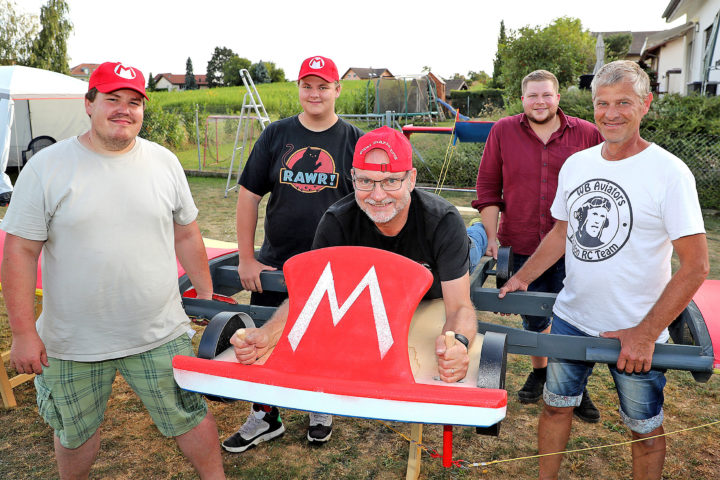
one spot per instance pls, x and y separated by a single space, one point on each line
388 184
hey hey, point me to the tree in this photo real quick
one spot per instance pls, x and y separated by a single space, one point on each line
151 83
16 34
49 50
276 74
480 77
231 70
563 48
497 81
259 72
617 46
190 83
216 65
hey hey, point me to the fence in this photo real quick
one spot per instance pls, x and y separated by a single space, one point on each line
701 153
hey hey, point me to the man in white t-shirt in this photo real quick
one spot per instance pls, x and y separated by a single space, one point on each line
110 212
621 208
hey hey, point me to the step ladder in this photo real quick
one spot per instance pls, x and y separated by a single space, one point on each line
252 110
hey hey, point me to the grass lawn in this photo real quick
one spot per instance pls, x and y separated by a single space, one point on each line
366 449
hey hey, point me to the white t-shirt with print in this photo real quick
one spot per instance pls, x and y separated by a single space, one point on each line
109 271
622 217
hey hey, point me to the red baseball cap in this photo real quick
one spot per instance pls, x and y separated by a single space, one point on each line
111 76
321 67
394 143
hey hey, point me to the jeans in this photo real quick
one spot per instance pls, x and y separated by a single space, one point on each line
641 394
478 243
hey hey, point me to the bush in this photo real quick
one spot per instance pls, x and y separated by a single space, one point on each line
162 127
463 165
686 114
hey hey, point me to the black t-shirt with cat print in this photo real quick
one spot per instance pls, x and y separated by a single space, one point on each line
304 172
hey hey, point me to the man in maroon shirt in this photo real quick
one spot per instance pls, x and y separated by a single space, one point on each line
518 175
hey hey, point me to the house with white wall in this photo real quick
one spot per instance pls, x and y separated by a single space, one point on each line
687 58
174 82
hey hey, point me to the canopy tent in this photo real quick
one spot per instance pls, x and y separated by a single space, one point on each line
37 103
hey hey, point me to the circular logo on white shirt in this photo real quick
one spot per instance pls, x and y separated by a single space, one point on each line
600 220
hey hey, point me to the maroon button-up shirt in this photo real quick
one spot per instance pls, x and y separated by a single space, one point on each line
519 174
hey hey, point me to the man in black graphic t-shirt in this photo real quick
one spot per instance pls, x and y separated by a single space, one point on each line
304 163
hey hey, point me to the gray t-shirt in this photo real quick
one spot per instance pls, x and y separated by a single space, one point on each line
109 270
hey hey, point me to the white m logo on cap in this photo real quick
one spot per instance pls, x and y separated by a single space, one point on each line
124 72
327 284
316 63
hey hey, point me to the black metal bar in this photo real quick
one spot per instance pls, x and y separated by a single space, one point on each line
521 303
600 350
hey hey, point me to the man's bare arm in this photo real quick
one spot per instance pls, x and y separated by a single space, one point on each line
548 252
190 251
638 343
460 318
490 215
19 269
246 218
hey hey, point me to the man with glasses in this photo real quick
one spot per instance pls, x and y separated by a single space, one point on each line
386 212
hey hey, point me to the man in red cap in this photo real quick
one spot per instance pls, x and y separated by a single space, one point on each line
387 212
303 162
110 212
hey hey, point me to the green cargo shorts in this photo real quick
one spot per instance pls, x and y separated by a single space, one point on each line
72 396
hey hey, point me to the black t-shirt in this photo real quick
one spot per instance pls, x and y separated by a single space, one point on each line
433 236
305 172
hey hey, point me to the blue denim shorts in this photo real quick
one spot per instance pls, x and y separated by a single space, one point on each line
478 243
641 394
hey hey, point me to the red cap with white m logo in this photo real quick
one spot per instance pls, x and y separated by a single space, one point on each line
111 76
321 67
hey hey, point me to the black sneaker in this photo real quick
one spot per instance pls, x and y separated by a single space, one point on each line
259 427
532 390
587 411
5 199
320 428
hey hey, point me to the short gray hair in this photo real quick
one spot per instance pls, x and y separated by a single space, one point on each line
622 71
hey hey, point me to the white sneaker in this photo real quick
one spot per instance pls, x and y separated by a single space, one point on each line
320 427
259 427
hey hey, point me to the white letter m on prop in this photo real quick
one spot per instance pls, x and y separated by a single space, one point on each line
327 284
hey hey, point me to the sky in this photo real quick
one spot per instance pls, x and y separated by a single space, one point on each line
404 36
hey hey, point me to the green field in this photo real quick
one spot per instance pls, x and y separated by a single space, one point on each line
278 98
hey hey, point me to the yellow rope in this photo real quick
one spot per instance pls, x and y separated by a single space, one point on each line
449 152
466 464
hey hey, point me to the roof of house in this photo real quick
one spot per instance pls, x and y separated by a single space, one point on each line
80 69
638 40
456 84
659 39
366 73
668 14
179 79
